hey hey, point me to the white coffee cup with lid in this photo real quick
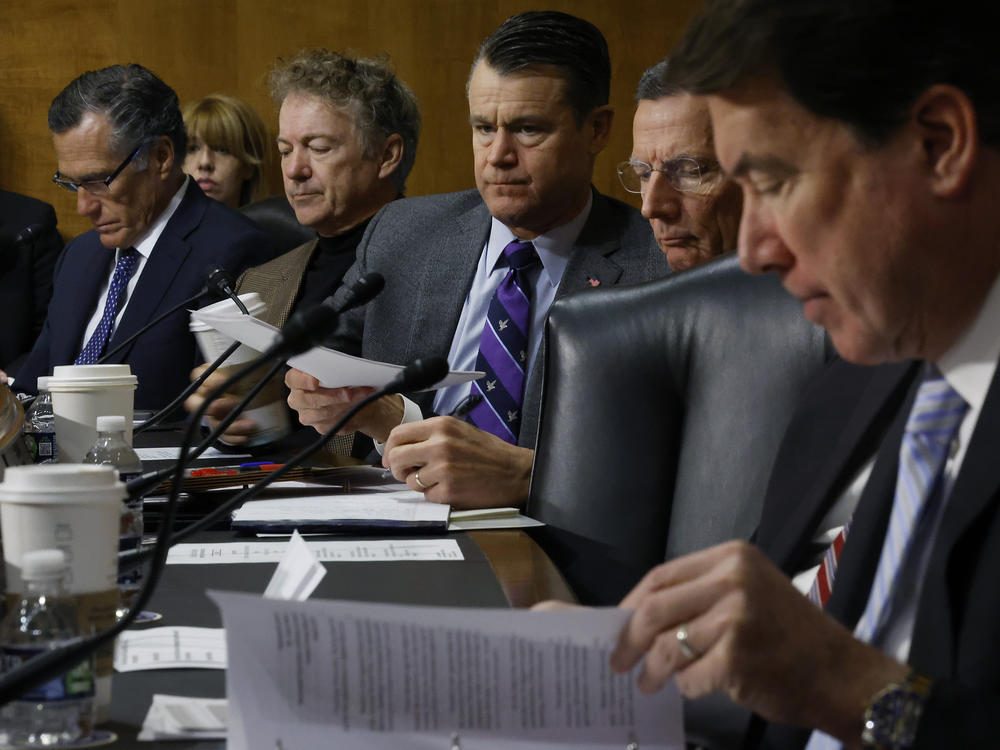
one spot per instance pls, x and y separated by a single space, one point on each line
82 393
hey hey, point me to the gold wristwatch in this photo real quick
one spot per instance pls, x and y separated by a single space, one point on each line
892 715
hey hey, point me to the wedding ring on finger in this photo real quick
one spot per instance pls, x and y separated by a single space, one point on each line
421 485
686 648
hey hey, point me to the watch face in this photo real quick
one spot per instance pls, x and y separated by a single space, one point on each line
890 722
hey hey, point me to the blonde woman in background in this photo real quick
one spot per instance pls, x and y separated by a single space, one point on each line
226 148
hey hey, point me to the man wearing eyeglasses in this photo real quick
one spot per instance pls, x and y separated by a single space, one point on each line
693 209
119 141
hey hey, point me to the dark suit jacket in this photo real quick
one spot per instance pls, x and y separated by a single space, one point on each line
849 414
427 249
25 274
201 232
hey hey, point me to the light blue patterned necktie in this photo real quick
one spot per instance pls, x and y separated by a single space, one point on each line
933 421
116 299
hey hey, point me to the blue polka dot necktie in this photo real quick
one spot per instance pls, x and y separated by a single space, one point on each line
116 300
503 348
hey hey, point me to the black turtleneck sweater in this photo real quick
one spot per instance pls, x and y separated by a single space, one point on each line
326 269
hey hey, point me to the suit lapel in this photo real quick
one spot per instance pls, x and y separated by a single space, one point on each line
593 254
876 405
278 282
973 493
445 281
169 254
88 277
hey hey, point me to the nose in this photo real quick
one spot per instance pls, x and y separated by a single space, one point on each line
206 159
296 165
660 200
87 204
760 246
502 151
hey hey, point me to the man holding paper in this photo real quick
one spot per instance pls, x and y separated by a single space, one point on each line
471 275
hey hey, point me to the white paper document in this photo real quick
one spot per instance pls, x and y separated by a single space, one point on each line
298 574
333 369
170 648
173 452
364 550
177 717
329 512
386 677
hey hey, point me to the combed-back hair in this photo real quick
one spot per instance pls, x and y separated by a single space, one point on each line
575 47
863 62
653 83
226 123
139 106
366 88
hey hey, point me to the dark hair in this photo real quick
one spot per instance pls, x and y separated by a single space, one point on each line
574 46
139 106
654 84
863 62
379 101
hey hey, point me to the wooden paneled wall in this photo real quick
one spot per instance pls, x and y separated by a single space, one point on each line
202 46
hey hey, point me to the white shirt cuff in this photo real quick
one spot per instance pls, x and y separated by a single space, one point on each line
411 413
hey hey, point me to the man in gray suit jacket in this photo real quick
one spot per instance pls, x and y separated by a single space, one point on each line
538 108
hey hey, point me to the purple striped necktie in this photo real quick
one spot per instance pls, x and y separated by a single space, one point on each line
503 348
116 299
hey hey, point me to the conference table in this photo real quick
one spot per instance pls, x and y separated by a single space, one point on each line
501 568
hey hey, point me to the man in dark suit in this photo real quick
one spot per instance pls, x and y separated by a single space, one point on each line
870 178
538 97
29 246
119 141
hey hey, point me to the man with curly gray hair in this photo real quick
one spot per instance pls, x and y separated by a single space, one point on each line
347 137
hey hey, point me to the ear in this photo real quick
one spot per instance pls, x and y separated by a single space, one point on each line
598 126
946 122
392 155
161 157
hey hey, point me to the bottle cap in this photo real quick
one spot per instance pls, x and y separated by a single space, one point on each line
43 564
43 383
111 423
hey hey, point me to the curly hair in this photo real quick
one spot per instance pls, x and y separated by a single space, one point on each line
380 103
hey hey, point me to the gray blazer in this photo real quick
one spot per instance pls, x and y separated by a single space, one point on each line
427 249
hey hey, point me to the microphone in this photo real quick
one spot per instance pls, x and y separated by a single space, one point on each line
419 374
210 287
361 292
29 234
219 284
304 329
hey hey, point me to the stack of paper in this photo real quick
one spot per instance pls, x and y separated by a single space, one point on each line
174 717
403 511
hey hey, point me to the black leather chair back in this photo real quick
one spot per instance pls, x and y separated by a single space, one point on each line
662 408
275 216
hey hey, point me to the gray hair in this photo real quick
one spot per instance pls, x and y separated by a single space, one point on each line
139 106
380 103
654 85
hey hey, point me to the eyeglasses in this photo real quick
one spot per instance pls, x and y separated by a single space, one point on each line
685 173
95 187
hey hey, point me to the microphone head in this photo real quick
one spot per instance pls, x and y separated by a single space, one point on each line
218 283
422 373
304 330
362 291
29 234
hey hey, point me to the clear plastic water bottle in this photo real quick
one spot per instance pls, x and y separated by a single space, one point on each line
40 426
112 448
62 710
